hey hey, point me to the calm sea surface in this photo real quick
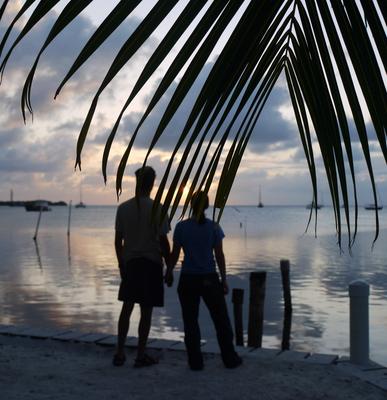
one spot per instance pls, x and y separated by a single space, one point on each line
61 282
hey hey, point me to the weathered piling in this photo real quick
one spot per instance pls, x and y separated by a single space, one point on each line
359 322
37 224
256 308
287 324
237 300
69 219
285 274
38 255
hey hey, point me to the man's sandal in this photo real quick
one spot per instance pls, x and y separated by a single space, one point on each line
119 360
145 361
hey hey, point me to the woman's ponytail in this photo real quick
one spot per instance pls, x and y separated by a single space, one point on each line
199 203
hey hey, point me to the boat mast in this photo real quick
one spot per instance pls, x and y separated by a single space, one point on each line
260 204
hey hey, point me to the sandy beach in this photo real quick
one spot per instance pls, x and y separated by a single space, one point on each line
48 369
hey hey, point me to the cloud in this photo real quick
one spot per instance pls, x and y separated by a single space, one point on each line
59 56
44 151
39 156
272 130
10 137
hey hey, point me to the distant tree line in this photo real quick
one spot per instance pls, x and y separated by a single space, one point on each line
23 203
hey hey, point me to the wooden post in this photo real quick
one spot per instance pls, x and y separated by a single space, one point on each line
37 224
68 250
38 254
287 325
285 273
286 330
256 308
69 219
237 300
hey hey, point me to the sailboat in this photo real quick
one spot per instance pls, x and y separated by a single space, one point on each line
81 204
373 206
260 204
313 205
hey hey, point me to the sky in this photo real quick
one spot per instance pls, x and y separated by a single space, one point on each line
37 158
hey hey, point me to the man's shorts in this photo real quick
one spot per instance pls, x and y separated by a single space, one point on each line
142 283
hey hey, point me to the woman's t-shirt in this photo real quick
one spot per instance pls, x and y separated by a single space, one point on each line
198 242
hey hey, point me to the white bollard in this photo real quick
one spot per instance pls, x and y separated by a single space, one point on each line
359 322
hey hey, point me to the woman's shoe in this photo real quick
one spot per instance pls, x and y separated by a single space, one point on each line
196 367
145 361
235 362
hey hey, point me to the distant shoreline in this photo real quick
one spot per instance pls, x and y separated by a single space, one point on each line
235 207
63 203
23 203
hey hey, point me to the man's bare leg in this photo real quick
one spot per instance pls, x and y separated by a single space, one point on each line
123 327
143 329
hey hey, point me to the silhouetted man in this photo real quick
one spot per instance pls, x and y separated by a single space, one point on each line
141 243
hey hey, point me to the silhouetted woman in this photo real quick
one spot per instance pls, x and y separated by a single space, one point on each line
201 239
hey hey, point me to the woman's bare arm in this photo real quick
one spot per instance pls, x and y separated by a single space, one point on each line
221 262
174 257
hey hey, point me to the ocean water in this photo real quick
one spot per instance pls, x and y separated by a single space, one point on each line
61 281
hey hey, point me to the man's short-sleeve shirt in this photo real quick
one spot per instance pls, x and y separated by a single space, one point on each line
140 233
198 242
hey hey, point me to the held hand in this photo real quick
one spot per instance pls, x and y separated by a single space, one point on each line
168 278
121 268
225 288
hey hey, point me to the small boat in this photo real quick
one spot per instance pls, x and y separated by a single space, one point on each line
373 207
38 205
81 204
312 205
260 204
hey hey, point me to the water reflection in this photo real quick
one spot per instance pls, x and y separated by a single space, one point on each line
69 251
286 330
38 254
77 288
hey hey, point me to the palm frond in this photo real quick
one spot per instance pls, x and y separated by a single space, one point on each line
2 9
164 48
300 113
184 85
138 37
121 11
331 54
72 10
21 12
377 29
40 11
